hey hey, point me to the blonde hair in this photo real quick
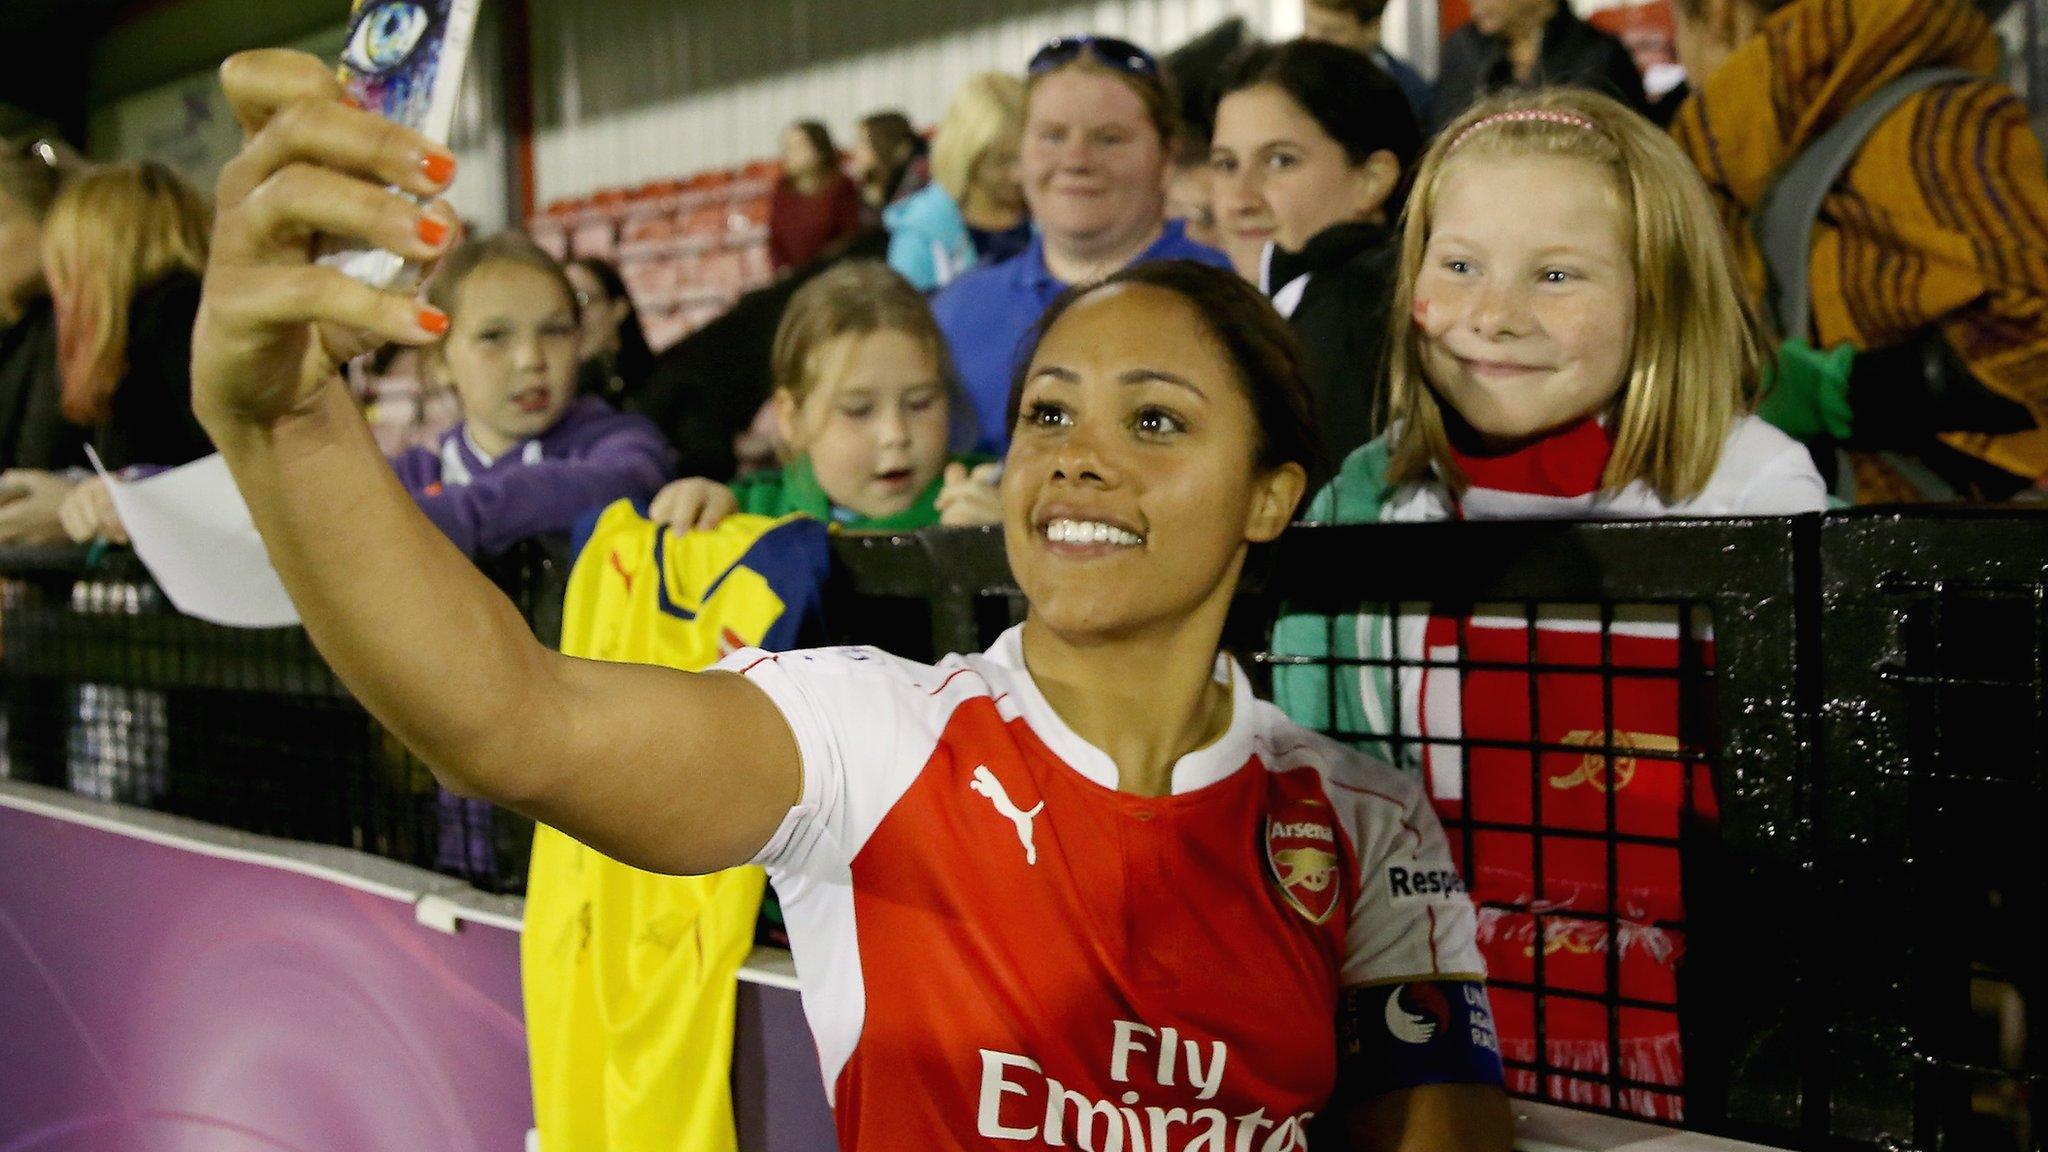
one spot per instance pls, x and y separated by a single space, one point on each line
986 111
111 233
1697 352
856 298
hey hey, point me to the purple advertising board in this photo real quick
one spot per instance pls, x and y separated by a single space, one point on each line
164 988
167 986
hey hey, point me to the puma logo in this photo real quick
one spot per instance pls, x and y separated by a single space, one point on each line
985 782
619 566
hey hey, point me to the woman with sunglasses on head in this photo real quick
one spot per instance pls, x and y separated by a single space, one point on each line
1100 128
1034 897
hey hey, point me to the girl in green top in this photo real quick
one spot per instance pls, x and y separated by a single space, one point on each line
866 399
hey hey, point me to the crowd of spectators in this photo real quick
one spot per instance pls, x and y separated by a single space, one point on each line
1085 164
1921 374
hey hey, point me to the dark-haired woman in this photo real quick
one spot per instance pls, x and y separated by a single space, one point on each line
616 358
1311 152
815 204
890 161
1082 887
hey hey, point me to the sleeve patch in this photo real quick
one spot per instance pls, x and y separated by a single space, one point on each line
1396 1036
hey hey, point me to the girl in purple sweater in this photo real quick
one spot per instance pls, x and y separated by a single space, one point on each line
529 457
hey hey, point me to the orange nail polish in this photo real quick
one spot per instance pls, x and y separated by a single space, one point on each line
352 102
438 167
431 231
433 321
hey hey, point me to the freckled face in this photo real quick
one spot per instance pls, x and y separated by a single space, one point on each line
1527 317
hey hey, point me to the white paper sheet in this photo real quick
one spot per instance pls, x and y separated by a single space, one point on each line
192 530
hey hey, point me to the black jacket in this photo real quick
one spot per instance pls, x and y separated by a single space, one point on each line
152 421
1573 53
33 431
1340 316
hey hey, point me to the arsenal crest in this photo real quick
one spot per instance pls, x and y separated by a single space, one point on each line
1301 851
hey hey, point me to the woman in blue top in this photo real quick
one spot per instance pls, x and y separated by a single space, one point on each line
1099 135
972 212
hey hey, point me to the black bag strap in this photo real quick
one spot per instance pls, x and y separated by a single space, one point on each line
1784 222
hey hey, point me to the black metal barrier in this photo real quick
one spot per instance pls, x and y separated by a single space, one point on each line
1862 700
109 692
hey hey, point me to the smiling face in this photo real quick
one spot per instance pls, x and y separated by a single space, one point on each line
1132 487
1094 166
875 422
511 353
1280 177
1526 317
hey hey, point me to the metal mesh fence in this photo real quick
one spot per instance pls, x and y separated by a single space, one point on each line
110 693
1746 806
1568 749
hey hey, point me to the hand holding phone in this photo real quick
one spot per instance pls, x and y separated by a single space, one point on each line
403 61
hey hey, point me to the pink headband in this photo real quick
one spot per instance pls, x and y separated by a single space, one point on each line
1524 116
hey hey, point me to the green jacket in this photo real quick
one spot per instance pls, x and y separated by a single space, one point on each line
795 488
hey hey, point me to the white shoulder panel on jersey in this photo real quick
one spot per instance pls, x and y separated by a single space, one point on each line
1412 919
865 724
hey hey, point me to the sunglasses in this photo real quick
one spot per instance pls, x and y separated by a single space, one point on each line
41 150
1121 55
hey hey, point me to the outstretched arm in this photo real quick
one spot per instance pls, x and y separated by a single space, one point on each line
661 769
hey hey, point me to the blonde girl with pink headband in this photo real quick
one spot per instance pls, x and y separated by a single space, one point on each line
1571 340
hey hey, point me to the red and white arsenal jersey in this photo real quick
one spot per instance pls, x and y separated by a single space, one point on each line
996 945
